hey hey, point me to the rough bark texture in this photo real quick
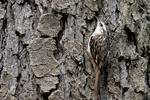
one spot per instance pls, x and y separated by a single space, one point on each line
40 58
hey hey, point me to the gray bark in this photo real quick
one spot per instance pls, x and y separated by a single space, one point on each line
41 59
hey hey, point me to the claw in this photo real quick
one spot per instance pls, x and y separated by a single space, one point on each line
80 45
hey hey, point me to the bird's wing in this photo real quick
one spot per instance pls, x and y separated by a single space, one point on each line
98 47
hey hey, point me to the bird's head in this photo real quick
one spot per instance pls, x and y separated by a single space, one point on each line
102 25
100 28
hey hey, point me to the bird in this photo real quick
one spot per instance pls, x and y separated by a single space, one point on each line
97 50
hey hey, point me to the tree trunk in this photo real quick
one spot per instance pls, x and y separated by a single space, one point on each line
42 58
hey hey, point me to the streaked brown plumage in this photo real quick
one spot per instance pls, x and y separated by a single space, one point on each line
98 45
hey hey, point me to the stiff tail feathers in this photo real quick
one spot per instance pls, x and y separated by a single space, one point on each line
97 85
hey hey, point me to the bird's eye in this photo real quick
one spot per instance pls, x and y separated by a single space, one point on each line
101 24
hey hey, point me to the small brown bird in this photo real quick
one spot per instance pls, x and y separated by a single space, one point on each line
97 49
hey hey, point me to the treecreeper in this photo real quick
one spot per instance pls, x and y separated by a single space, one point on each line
97 50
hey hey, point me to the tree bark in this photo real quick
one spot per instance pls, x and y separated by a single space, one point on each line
42 58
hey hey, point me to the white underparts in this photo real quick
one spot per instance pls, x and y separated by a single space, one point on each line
98 29
88 49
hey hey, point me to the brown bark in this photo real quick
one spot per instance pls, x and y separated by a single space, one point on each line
40 60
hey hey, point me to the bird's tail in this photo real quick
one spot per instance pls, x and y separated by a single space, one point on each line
97 85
